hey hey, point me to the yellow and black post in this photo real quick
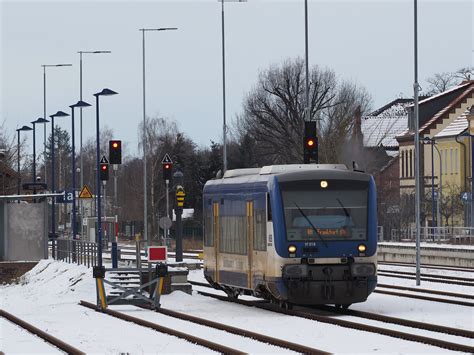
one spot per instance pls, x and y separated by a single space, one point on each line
161 272
99 273
180 194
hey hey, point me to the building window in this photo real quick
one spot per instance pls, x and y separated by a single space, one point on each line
445 161
451 160
403 164
456 163
406 163
411 163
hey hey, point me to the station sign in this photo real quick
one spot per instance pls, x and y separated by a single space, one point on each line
67 197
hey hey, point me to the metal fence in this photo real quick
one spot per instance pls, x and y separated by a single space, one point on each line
446 235
77 251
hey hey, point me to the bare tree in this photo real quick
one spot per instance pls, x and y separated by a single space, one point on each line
451 207
273 114
465 73
441 82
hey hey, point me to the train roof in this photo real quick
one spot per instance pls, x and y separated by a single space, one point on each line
281 169
290 172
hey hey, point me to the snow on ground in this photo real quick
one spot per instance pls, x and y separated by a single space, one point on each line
24 343
48 297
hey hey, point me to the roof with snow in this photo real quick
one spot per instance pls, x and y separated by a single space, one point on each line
456 127
435 108
382 126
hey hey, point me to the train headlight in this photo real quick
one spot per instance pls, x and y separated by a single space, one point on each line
292 249
324 184
361 248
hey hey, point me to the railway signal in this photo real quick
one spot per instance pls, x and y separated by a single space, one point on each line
310 143
167 165
104 172
104 169
115 152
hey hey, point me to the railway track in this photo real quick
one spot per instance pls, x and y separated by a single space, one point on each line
241 332
423 290
42 334
453 280
364 327
426 298
429 266
204 342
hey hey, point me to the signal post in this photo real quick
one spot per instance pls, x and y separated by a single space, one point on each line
167 165
180 194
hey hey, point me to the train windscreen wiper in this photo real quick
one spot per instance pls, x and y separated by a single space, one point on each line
343 208
311 224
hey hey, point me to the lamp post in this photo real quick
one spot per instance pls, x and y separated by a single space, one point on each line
104 92
24 128
44 105
80 122
432 142
79 104
53 180
224 124
307 105
42 121
416 89
145 203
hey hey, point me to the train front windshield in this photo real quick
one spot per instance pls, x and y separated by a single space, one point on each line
325 209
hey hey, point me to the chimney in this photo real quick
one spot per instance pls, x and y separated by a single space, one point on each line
357 130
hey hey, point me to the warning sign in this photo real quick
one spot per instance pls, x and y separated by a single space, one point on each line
85 192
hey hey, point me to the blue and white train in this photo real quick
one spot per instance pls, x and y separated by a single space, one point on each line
293 234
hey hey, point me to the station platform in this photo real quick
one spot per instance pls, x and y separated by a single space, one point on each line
431 254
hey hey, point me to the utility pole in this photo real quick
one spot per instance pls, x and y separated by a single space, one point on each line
416 89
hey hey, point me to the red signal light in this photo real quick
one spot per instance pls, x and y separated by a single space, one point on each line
104 167
115 145
167 166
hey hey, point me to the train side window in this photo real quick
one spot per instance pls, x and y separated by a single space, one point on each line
233 238
208 225
269 208
260 238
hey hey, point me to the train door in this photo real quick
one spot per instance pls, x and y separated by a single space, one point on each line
250 237
216 235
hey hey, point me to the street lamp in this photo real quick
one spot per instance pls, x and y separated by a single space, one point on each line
432 141
104 92
24 128
44 104
80 104
80 121
224 124
40 120
416 90
145 204
53 180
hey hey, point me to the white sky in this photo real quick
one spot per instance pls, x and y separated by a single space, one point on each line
370 42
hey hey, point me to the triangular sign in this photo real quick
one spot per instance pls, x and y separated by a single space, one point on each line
167 159
104 160
85 192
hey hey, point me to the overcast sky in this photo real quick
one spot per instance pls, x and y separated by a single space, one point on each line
370 42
